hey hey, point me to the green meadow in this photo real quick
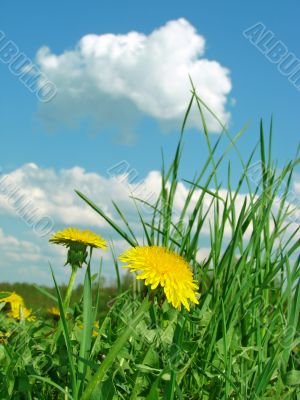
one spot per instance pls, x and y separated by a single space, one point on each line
239 340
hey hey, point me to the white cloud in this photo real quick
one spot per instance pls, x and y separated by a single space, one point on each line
203 254
48 193
297 185
115 79
18 250
34 273
34 192
52 193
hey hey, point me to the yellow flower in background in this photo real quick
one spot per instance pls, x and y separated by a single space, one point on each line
70 236
54 312
159 266
25 313
14 302
296 349
95 327
15 306
3 337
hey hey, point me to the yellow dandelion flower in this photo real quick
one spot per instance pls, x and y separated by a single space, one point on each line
4 336
15 306
70 236
95 328
296 349
54 312
25 313
159 266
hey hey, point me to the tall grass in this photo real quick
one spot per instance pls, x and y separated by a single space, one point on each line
242 340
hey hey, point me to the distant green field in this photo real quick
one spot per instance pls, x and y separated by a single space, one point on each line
39 303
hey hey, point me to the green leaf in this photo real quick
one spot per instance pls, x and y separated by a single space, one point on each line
104 391
292 378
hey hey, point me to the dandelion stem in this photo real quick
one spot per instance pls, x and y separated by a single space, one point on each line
70 287
115 350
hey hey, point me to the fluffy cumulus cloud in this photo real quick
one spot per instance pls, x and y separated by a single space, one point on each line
115 79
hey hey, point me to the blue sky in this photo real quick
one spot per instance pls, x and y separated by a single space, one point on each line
27 136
